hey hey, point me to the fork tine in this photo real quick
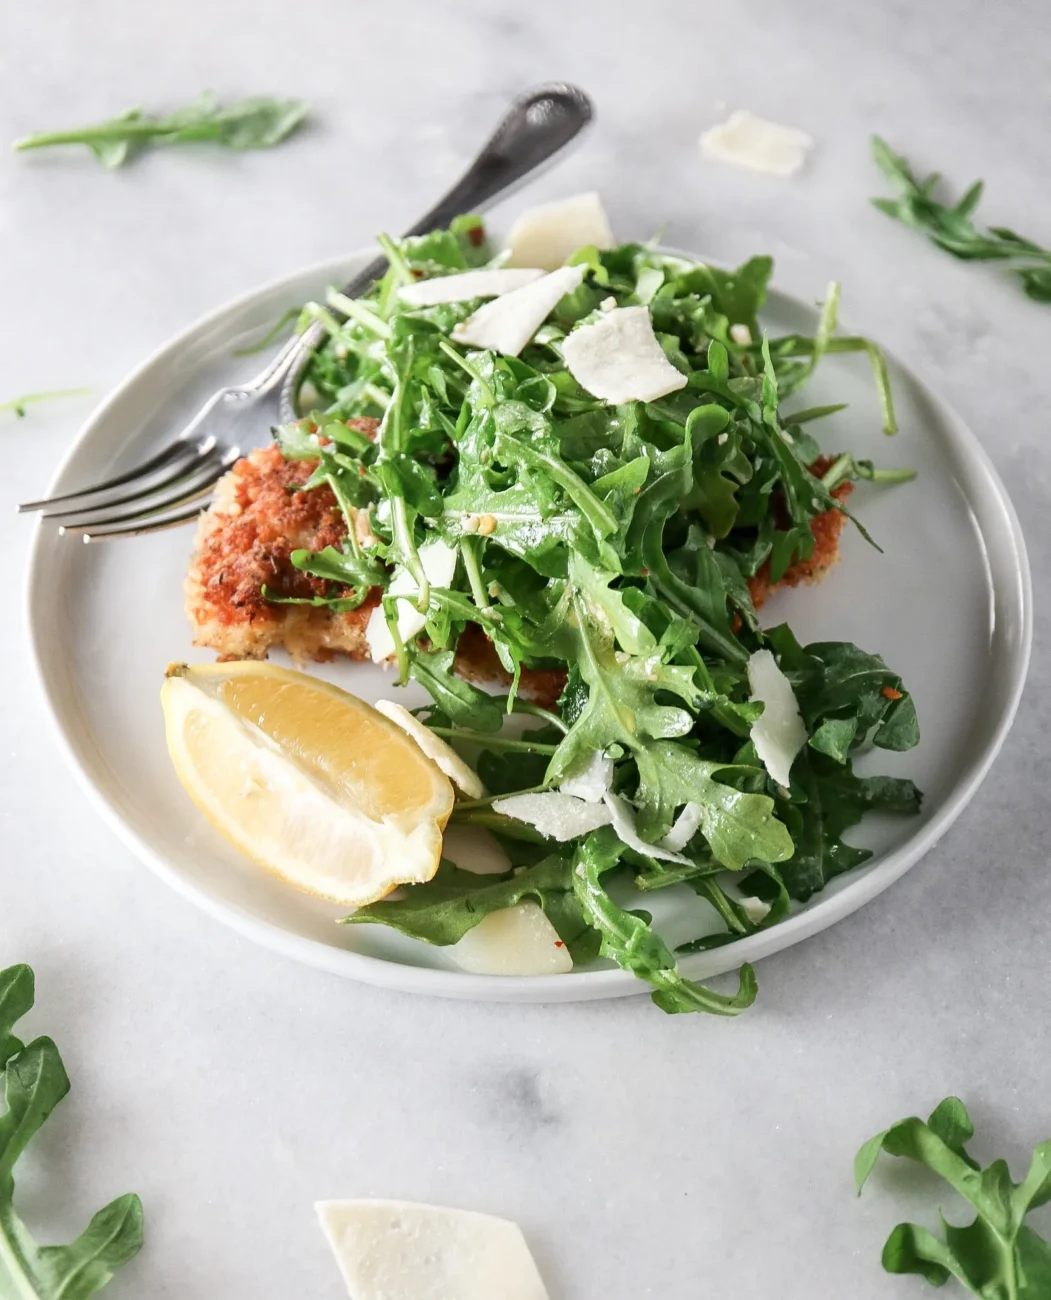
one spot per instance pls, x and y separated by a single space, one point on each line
118 531
184 474
177 450
192 489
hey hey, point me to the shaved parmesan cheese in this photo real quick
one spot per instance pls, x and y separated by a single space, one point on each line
556 815
466 285
687 824
506 324
444 757
778 734
754 908
752 141
439 564
397 1250
622 816
592 782
547 235
517 940
472 848
619 359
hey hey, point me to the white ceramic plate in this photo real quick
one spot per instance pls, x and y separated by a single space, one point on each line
948 605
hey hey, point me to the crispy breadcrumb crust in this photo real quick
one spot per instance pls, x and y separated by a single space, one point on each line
258 518
827 529
245 541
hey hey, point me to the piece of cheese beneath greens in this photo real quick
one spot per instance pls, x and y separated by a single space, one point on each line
466 285
754 908
687 824
622 816
559 816
398 1250
547 235
752 141
591 783
517 940
506 324
472 848
443 756
439 564
778 734
619 359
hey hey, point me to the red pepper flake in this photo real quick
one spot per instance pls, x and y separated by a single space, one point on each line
476 235
559 943
890 693
416 274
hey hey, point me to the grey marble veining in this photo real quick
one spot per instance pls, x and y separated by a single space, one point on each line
643 1155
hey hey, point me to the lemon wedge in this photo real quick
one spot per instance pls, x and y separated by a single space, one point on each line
311 783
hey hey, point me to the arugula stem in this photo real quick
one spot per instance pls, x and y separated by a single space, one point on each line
356 310
271 334
379 396
12 1259
323 317
121 130
473 371
798 345
826 327
468 805
410 556
493 742
846 467
814 413
878 363
17 405
401 653
396 258
525 706
469 548
710 889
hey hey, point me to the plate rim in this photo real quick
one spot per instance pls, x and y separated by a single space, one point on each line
574 986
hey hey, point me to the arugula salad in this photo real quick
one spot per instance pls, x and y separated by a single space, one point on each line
599 532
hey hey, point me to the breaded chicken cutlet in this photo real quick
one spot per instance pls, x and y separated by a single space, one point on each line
245 541
257 519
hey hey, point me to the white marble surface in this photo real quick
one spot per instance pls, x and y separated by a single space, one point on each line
643 1155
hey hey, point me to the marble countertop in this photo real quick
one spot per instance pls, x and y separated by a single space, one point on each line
643 1155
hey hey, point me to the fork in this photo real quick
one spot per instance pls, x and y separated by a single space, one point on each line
169 489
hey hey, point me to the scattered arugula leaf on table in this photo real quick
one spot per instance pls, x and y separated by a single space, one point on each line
997 1256
953 229
35 1081
255 123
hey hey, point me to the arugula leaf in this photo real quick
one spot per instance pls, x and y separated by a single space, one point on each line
996 1256
255 123
848 698
628 939
738 826
952 228
464 704
445 908
34 1083
827 799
